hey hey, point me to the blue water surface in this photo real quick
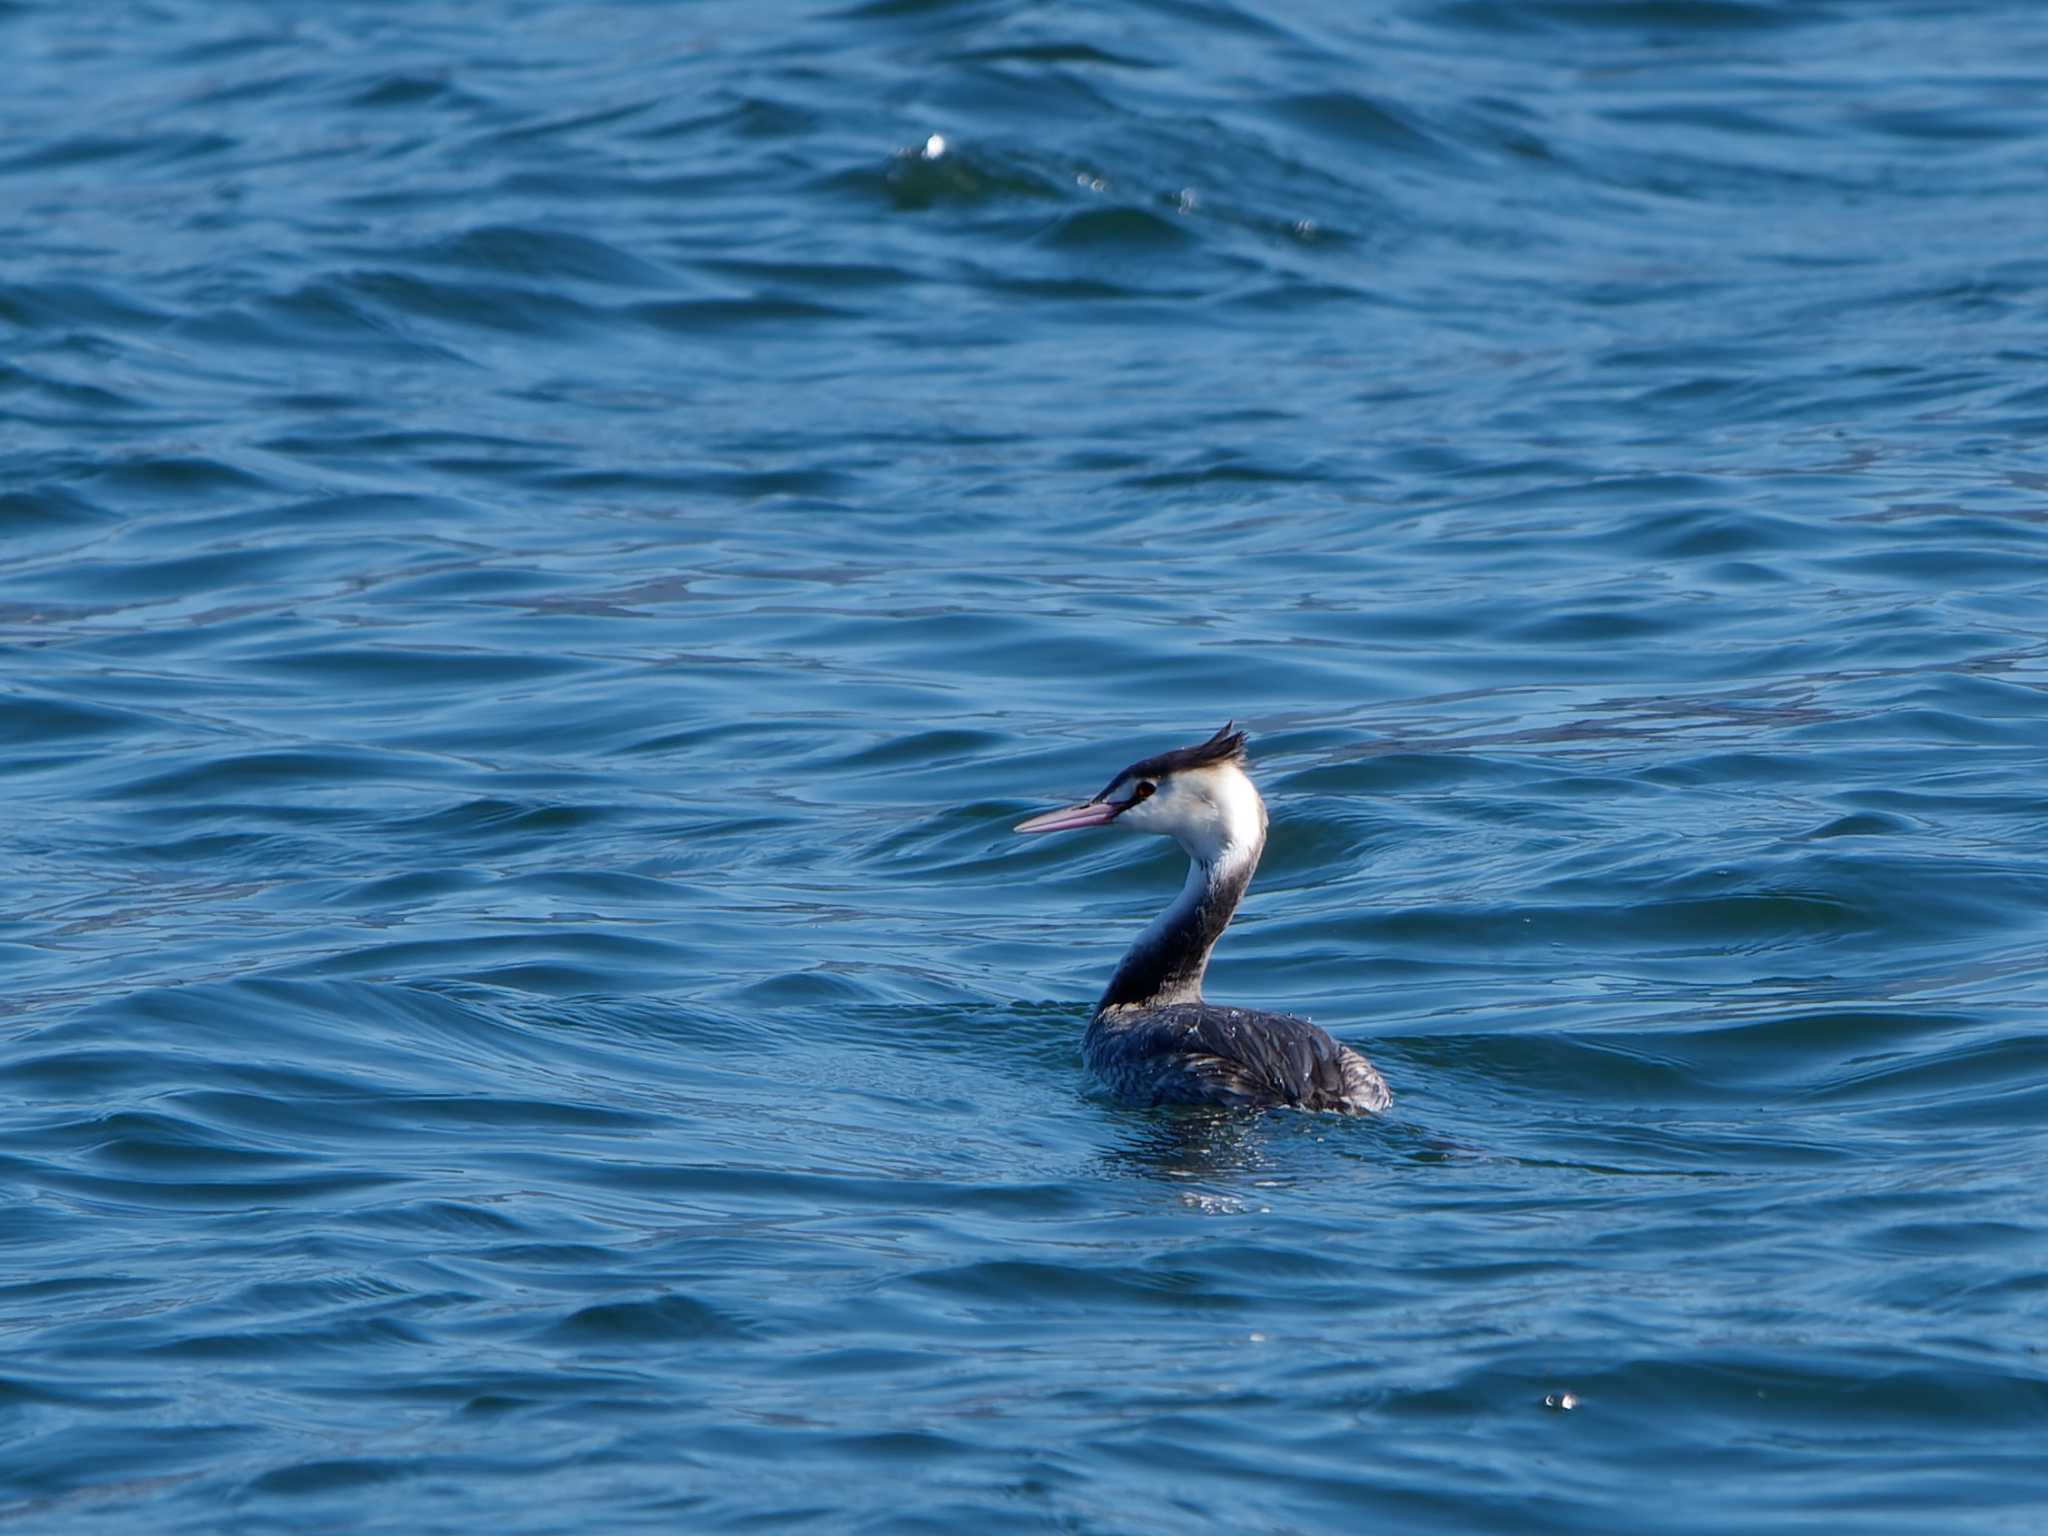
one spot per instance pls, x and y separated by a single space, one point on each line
544 546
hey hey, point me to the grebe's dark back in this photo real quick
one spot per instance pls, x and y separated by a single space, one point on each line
1153 1040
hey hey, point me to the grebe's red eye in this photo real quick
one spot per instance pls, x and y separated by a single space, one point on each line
1142 790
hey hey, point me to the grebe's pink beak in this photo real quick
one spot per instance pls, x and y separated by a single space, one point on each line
1091 813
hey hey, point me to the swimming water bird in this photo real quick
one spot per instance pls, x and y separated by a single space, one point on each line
1153 1040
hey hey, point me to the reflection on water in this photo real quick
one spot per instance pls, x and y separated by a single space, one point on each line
1193 1146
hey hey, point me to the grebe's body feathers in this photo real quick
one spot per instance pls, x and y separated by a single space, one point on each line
1198 1053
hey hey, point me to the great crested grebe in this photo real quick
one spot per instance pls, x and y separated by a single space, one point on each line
1153 1040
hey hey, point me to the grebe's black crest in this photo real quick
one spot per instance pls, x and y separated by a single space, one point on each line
1153 1039
1226 746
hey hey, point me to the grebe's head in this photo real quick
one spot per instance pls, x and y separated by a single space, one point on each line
1200 796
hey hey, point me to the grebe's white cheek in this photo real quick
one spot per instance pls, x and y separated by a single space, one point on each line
1182 811
1141 817
1177 811
1163 813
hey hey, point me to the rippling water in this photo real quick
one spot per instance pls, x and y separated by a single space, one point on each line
543 547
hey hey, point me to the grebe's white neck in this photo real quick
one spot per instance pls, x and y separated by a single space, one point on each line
1215 813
